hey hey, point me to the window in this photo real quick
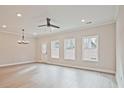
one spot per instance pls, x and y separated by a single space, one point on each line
44 49
69 49
90 48
55 45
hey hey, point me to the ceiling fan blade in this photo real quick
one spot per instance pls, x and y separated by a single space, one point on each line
54 26
42 25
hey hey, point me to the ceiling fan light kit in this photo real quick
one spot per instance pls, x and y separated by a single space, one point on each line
23 41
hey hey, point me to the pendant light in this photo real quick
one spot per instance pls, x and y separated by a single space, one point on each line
23 41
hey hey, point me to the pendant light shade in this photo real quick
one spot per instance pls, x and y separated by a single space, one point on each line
23 41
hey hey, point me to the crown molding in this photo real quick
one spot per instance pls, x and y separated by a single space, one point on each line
14 33
78 28
66 30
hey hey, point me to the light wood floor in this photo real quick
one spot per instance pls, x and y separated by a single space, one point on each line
50 76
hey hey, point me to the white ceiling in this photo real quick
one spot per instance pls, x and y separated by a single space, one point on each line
67 17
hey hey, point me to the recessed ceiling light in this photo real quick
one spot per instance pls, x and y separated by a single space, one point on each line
82 20
19 15
4 26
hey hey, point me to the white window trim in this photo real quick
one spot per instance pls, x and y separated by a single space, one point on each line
91 36
51 50
74 49
42 51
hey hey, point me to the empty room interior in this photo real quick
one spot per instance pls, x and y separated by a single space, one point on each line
61 46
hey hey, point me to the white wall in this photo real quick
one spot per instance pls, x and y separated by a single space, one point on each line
106 48
120 47
11 52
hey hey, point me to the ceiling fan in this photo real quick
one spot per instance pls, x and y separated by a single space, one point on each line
49 24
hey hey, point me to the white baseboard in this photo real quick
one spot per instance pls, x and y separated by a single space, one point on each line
120 83
39 61
19 63
86 68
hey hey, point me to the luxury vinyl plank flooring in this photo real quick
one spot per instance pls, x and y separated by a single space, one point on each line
38 75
